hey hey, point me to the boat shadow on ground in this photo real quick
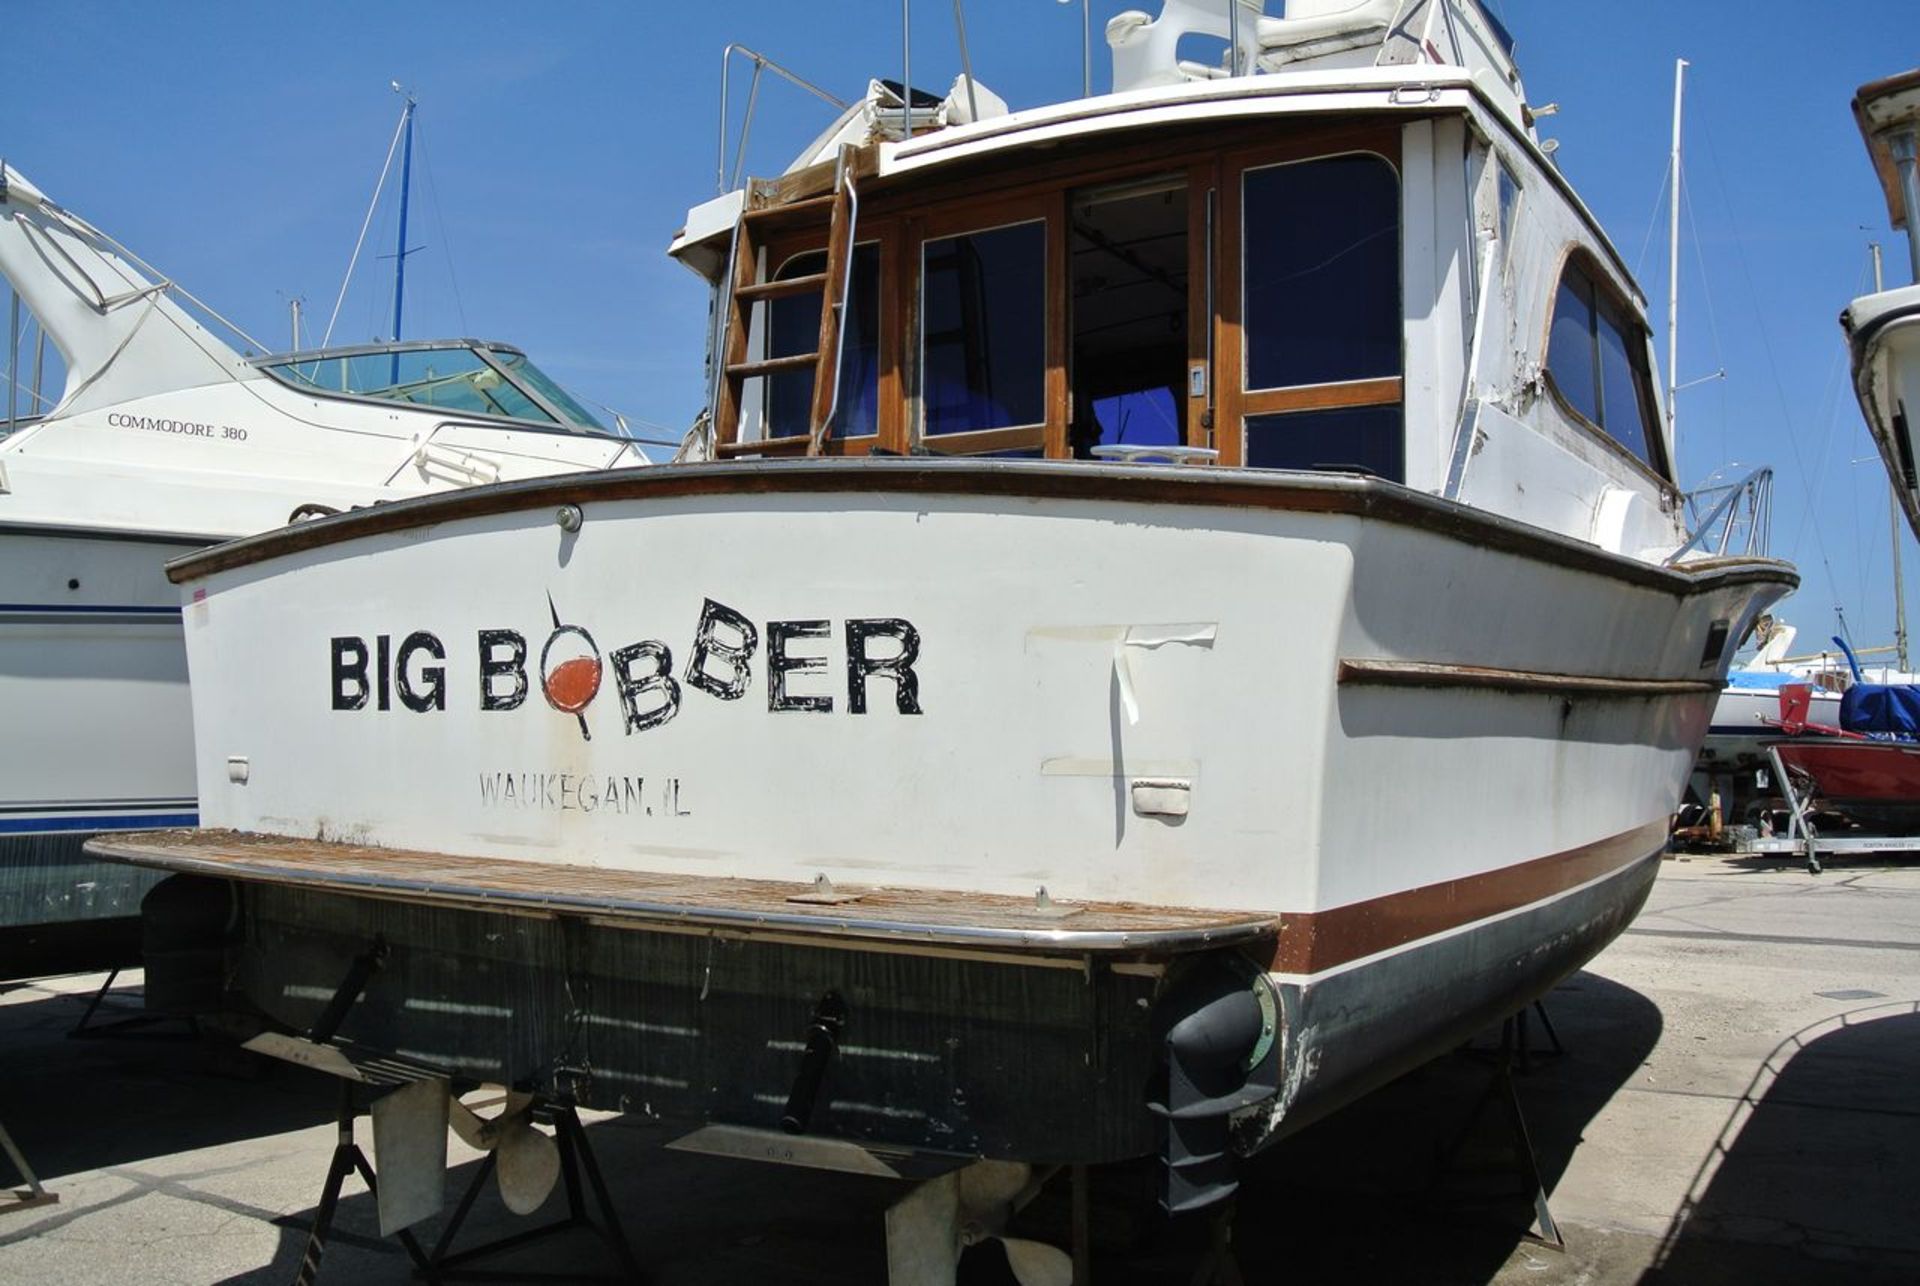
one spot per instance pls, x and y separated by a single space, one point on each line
1812 1176
690 1220
1832 863
1804 1184
1358 1196
155 1091
1412 1184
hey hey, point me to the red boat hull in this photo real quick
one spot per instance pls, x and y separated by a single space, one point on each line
1876 783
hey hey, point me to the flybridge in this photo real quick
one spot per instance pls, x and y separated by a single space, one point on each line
377 673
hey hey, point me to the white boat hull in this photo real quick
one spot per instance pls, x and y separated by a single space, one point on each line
93 678
1403 732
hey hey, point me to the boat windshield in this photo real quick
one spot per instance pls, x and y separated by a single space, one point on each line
489 380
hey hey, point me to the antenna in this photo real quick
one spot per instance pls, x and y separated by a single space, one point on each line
296 305
966 62
1086 47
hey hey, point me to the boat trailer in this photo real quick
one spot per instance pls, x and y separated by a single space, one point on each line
1803 836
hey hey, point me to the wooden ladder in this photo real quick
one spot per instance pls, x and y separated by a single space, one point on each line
757 220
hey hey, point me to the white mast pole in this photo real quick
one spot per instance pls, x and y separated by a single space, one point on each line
1673 260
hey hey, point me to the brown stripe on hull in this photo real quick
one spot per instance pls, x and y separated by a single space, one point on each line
1432 674
1315 941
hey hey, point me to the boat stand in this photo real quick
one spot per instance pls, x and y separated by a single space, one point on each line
347 1158
1525 1167
129 1025
1799 826
356 1066
1516 1039
576 1157
33 1195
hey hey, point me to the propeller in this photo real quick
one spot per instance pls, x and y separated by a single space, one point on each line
931 1226
991 1193
526 1159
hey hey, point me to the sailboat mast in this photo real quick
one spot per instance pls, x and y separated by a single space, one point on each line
400 249
1673 258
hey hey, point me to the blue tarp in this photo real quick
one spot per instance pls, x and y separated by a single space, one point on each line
1877 707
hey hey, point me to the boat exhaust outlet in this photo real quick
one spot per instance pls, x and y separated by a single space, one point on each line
1222 1047
823 1038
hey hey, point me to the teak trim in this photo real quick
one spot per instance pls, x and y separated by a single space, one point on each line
994 480
1433 674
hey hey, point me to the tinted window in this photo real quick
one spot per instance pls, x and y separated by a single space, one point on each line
456 379
1597 358
1509 198
984 329
794 327
1322 282
1623 404
1570 355
1348 437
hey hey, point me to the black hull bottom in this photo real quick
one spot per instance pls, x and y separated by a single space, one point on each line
946 1052
1359 1030
64 912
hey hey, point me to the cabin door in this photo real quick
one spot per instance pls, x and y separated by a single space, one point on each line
1136 288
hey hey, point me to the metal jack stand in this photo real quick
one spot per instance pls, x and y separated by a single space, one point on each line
126 1027
1799 810
1516 1039
576 1156
359 1065
347 1158
31 1196
1526 1167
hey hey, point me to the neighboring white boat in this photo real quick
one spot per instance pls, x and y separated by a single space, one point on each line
160 439
1095 806
1883 329
1752 697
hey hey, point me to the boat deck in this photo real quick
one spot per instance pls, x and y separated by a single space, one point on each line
647 899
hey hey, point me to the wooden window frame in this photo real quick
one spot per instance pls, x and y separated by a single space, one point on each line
1047 208
884 234
1234 403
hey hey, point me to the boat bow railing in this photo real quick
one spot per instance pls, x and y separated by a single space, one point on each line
1729 519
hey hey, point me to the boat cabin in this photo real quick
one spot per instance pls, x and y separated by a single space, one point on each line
1361 261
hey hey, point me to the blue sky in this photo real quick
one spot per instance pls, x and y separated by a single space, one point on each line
235 146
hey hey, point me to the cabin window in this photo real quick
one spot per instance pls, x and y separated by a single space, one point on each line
1509 200
1322 284
1321 316
1358 439
1597 362
793 326
983 348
